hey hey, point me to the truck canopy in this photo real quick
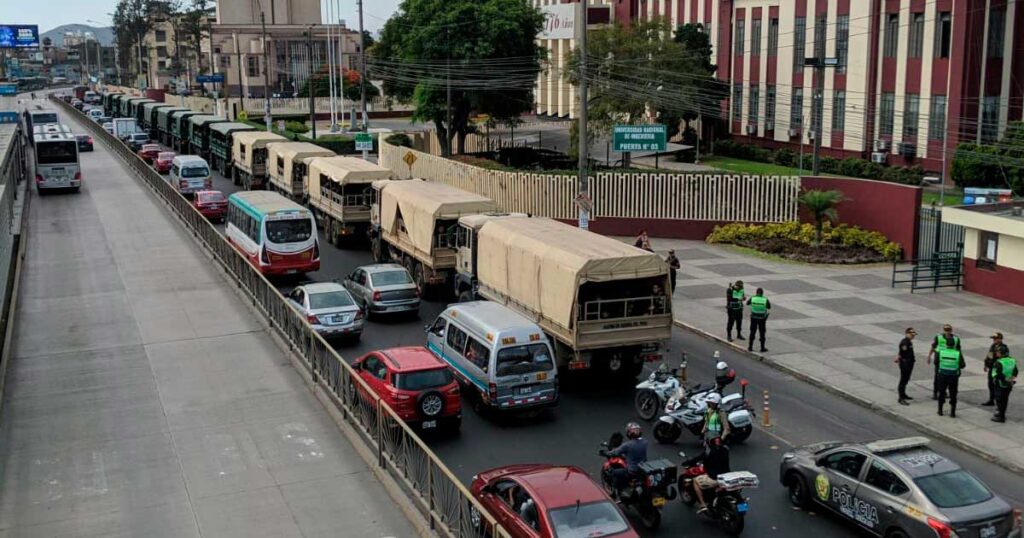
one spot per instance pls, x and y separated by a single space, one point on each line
230 126
419 204
163 116
541 263
344 170
282 157
250 140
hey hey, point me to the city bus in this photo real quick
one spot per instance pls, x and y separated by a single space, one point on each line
57 165
38 115
277 235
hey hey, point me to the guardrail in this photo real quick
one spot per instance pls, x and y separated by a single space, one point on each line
442 499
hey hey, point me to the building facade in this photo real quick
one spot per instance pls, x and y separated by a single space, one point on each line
993 249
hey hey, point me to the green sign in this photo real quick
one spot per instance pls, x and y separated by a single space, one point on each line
652 137
364 142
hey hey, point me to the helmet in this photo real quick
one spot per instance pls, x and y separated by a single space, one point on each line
713 398
633 430
722 365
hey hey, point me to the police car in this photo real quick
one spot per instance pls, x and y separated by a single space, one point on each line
896 488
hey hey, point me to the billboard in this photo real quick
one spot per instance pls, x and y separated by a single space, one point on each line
19 36
559 21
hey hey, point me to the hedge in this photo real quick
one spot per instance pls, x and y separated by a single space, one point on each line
841 234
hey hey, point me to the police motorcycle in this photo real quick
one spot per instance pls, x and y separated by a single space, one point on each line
725 501
654 392
686 411
646 492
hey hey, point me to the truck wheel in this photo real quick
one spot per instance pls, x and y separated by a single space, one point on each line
419 276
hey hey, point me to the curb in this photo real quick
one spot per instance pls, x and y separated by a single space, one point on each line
863 402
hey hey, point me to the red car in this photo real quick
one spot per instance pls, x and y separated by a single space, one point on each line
539 500
212 204
162 163
148 152
415 383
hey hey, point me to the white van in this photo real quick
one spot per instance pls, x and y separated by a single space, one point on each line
503 356
190 174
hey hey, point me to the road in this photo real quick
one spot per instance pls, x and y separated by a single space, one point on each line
589 412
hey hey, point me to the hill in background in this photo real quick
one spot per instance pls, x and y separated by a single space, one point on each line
104 35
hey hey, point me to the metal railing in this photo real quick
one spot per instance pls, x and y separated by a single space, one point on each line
632 307
942 270
443 500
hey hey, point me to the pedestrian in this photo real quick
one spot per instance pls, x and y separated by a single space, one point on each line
905 358
993 354
641 239
950 363
734 299
759 310
1004 374
673 266
938 343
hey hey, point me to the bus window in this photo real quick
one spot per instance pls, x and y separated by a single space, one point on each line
289 231
62 152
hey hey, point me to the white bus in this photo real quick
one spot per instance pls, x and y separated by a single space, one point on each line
39 115
57 165
276 235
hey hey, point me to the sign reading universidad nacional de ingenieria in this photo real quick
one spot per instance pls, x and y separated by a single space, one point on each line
559 21
653 137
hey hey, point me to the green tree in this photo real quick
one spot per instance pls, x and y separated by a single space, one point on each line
194 27
821 205
490 46
996 166
131 20
352 85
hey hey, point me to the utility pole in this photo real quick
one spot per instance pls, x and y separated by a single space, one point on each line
448 84
238 58
330 69
584 146
362 68
309 83
266 74
819 63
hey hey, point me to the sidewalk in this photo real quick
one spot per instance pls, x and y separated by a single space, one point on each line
840 326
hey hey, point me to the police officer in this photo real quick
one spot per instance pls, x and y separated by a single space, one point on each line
673 267
734 298
759 307
950 362
1003 374
946 338
993 354
905 358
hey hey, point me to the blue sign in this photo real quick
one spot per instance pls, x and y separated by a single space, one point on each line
19 36
8 89
216 78
7 116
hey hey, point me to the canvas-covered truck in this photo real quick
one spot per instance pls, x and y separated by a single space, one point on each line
339 191
249 154
222 144
110 101
199 133
417 224
138 111
149 117
603 302
179 130
288 165
129 107
163 123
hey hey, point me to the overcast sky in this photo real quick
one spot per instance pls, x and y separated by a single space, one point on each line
49 14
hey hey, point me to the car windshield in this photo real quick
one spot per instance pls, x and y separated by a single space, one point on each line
391 278
953 489
524 359
330 299
195 171
587 521
211 197
289 231
423 379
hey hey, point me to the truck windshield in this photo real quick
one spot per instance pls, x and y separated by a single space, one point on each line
524 359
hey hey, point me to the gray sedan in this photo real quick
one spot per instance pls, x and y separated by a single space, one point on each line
329 309
384 288
896 488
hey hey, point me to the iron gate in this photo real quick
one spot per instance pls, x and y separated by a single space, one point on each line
935 236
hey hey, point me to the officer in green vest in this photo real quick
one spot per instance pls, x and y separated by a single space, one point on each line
950 363
1003 374
759 309
734 298
716 421
941 341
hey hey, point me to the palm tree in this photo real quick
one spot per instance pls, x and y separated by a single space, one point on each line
822 206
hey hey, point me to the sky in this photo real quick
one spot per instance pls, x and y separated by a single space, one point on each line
49 14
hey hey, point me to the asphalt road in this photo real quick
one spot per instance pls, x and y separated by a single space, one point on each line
589 412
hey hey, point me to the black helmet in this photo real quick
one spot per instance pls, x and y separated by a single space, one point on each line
633 430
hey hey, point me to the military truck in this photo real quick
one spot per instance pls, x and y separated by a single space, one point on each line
221 145
163 127
287 164
249 151
339 191
149 118
110 101
129 107
417 224
179 130
199 133
603 302
138 111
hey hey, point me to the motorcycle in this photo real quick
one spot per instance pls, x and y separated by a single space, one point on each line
654 392
726 504
688 412
647 492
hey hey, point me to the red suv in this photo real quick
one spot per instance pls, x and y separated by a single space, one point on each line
415 383
539 500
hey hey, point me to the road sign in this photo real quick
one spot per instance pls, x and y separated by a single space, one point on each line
584 202
8 117
216 78
410 159
243 115
364 142
652 137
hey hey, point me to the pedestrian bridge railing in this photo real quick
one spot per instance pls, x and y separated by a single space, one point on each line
435 491
941 270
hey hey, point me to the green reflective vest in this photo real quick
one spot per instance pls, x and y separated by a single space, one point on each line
737 298
949 361
1007 365
714 424
941 342
759 306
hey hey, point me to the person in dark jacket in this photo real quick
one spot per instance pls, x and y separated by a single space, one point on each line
941 341
634 450
1004 375
715 458
734 299
673 266
993 353
905 358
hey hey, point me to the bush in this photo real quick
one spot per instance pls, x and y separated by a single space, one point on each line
827 165
730 148
686 156
399 139
296 126
833 235
870 170
785 157
851 167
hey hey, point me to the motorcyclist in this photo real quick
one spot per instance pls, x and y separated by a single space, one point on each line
634 450
716 420
715 458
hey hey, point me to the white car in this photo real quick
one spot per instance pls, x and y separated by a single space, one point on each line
329 309
109 127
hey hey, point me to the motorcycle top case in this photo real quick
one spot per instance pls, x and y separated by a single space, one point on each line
738 480
663 468
739 419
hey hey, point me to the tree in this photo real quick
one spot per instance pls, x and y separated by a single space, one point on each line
998 166
131 20
194 27
822 206
352 85
485 48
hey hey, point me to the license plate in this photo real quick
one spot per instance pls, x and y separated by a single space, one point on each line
987 532
578 365
291 271
741 508
658 501
542 376
429 424
525 390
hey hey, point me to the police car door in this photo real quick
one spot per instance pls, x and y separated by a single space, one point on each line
836 484
885 492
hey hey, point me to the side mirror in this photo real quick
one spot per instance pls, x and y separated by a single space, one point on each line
682 454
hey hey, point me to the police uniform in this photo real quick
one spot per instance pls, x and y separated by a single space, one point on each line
950 362
1004 370
734 308
997 349
939 343
759 306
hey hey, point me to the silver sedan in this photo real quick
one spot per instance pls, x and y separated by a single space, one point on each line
329 309
384 288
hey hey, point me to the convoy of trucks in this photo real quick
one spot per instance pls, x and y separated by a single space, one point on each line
249 154
220 145
163 123
199 133
288 166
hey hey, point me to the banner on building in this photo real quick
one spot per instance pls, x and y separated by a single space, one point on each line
19 36
559 21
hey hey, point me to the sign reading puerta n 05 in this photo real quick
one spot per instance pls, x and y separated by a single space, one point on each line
19 36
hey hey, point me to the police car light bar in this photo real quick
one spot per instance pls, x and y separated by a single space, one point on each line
893 445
